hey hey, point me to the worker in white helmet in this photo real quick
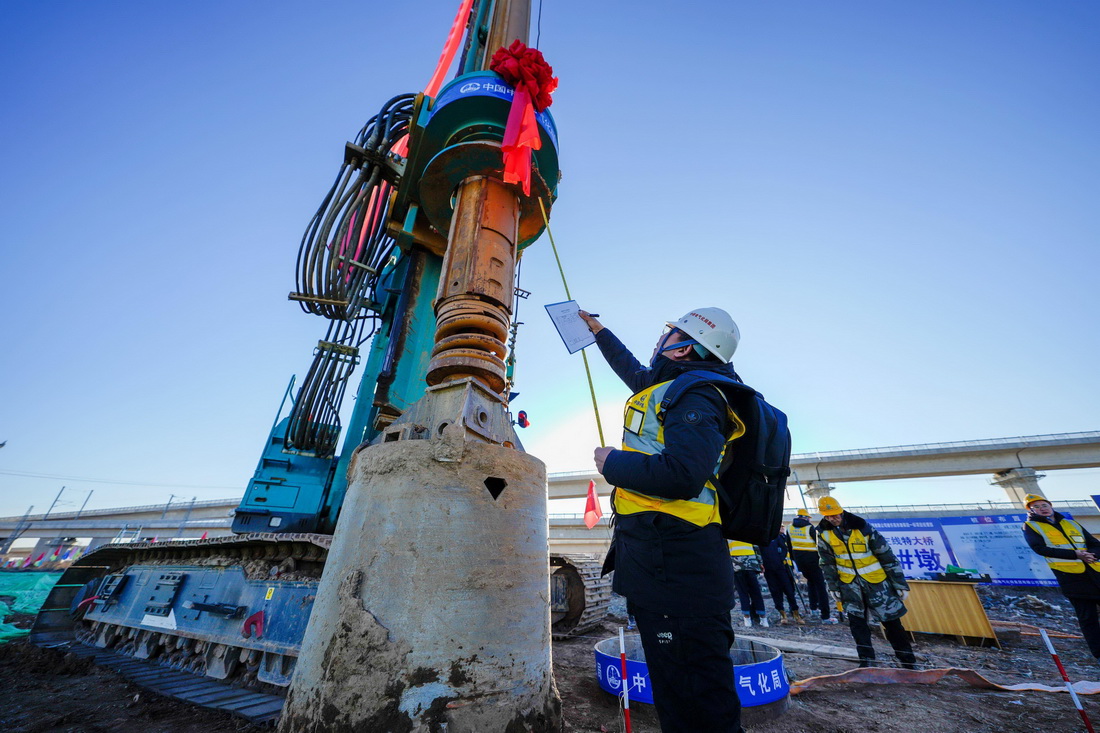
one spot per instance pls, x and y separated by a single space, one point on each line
670 559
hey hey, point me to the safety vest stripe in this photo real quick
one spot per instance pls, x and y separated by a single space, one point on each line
801 540
704 497
741 549
643 432
1066 535
855 562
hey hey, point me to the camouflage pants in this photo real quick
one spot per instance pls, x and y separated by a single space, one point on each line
876 602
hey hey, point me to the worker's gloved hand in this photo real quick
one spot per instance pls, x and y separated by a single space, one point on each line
1085 555
835 595
593 325
599 456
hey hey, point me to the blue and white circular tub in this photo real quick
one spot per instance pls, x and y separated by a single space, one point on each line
758 671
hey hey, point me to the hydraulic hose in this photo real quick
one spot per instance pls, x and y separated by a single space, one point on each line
314 425
345 244
341 256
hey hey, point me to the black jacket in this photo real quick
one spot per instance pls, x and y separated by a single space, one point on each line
664 564
774 554
1073 585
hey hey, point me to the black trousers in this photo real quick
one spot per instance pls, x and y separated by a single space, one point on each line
748 591
1089 622
895 634
691 671
781 586
808 565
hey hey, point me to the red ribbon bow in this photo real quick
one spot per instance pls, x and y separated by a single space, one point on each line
533 79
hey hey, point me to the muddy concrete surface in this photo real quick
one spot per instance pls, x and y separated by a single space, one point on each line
47 691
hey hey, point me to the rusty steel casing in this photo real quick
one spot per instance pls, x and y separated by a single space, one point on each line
480 260
473 306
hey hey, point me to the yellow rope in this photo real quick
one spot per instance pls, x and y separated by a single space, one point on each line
587 370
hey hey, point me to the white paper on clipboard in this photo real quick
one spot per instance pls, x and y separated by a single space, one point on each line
573 331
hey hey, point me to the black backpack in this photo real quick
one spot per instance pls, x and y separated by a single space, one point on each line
752 478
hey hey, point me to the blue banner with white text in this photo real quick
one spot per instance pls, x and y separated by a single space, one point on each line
989 544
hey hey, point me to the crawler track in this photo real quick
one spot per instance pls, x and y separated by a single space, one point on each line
580 611
216 665
257 707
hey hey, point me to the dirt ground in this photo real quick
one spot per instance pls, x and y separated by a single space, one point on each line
43 691
949 706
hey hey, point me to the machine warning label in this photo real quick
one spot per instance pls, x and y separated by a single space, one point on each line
270 592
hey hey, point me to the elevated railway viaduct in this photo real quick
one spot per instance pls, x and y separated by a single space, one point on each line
1013 464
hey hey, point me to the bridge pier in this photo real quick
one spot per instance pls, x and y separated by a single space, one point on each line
96 543
1018 483
815 490
51 546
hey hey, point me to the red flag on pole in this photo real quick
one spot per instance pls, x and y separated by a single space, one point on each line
592 511
203 536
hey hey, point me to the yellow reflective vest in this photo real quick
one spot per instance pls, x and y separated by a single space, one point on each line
854 557
801 541
1066 535
741 549
643 432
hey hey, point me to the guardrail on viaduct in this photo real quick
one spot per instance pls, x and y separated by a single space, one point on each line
1008 459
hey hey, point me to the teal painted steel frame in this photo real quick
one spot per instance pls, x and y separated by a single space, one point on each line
411 365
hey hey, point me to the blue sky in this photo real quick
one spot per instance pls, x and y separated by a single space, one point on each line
896 202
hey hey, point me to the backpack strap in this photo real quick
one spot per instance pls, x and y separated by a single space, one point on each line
697 377
749 398
689 380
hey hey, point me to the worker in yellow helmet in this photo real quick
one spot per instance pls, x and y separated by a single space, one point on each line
1072 555
803 539
863 574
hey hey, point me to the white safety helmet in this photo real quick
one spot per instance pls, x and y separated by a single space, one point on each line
713 329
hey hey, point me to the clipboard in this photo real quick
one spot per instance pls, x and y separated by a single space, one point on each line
572 329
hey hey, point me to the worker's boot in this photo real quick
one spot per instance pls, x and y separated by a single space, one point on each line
782 618
866 662
764 622
748 621
797 616
908 660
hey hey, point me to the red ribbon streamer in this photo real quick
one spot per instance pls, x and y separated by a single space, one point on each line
533 79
